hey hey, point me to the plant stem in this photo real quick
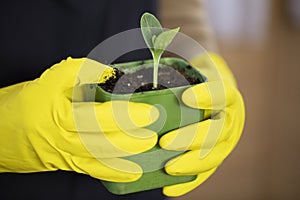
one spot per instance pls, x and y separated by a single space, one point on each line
155 70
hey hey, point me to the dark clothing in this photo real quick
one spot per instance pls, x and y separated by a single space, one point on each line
62 185
35 35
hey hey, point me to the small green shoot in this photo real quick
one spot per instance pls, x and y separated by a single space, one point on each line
156 39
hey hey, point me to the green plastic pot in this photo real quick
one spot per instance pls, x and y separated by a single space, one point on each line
173 114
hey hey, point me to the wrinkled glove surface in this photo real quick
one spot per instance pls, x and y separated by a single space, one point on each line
210 141
47 125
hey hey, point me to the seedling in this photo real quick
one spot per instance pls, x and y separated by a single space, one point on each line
156 39
173 114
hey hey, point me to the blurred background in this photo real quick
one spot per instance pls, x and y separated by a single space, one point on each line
260 39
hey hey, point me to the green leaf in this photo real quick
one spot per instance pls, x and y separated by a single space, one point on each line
150 27
164 39
153 39
156 39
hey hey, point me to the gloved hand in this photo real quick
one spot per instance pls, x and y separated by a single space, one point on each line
46 125
208 142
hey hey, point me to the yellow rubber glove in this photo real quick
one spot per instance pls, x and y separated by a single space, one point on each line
44 129
208 142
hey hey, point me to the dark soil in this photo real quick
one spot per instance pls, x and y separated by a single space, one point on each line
141 80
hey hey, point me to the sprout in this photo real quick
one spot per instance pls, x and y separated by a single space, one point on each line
156 39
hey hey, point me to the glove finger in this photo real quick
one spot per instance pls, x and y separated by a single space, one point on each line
92 71
132 142
110 116
193 162
214 95
115 169
204 134
118 144
183 188
78 71
126 115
